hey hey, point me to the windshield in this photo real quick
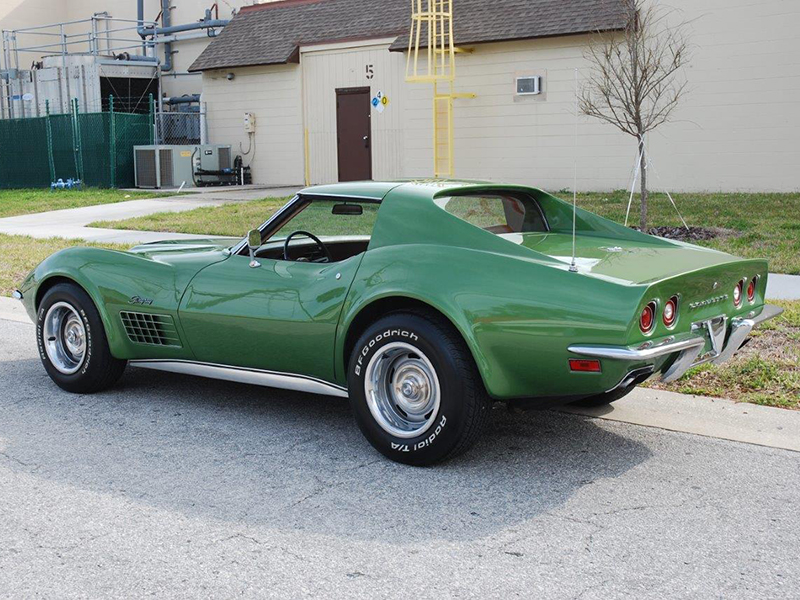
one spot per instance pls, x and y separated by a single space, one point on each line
497 213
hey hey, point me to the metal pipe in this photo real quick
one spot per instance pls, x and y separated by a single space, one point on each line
204 24
194 35
185 99
166 22
127 56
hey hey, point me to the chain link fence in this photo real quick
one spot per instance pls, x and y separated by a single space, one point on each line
96 148
180 128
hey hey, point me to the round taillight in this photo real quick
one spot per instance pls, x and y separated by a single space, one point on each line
751 289
648 318
737 293
671 311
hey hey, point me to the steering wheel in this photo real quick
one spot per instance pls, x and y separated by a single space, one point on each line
317 241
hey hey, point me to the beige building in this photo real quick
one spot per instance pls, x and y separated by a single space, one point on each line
287 65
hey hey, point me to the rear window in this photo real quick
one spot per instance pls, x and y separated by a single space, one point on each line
498 214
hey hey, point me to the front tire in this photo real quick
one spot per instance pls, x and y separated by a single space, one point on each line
72 342
415 391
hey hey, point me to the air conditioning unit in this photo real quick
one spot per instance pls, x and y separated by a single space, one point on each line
174 166
213 166
215 158
529 86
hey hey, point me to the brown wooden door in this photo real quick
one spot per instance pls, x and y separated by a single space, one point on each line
354 135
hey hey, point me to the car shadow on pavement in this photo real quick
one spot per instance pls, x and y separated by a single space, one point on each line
290 461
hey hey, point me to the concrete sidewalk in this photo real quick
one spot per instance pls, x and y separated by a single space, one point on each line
783 287
72 223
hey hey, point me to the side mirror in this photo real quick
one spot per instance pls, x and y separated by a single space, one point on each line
254 239
253 244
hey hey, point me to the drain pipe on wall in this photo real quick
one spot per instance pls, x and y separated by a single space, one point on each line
166 21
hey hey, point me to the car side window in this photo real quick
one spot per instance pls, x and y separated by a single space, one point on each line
318 217
497 214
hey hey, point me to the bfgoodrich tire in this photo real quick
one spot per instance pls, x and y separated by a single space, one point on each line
72 342
415 391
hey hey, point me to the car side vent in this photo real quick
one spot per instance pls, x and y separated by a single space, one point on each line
150 329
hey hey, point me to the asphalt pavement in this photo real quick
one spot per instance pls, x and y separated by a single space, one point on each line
173 486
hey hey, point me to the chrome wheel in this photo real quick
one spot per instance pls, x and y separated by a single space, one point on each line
402 390
64 338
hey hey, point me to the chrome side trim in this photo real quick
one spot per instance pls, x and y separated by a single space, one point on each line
646 351
17 295
285 381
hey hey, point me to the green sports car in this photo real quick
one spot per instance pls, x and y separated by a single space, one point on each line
423 302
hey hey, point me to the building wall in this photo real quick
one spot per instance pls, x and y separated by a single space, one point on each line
328 68
735 130
273 95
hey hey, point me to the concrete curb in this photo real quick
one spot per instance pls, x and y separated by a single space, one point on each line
709 417
12 310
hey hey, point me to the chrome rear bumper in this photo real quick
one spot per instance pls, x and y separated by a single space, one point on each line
688 346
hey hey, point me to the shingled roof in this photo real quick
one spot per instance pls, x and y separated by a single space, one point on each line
272 33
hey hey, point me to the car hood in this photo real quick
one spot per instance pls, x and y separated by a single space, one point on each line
624 261
184 246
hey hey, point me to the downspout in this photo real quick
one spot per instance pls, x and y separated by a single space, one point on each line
166 21
140 29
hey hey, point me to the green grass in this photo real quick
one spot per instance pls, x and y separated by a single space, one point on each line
27 201
229 220
756 225
766 371
753 225
20 254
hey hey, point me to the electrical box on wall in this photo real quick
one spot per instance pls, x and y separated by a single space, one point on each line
249 122
529 86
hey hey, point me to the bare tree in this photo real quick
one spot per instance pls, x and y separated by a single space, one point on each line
634 82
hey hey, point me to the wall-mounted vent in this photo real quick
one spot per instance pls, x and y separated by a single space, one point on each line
529 86
150 329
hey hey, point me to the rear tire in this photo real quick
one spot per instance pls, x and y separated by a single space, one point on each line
72 342
415 391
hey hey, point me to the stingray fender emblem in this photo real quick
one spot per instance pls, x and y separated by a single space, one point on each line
138 300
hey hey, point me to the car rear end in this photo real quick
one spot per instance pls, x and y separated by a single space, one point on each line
690 319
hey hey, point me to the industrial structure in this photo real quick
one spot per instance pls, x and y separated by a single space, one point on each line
105 66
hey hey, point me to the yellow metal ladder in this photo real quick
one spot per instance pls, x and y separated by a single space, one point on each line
432 59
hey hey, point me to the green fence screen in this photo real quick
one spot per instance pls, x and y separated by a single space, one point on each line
96 148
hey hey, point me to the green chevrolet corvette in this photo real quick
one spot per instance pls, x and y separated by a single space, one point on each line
423 302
